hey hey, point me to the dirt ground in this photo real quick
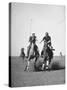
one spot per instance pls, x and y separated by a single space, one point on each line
21 78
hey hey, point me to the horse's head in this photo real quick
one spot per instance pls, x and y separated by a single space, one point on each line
45 45
31 52
32 45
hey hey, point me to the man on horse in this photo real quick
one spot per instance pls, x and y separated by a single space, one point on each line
32 51
47 39
32 39
47 53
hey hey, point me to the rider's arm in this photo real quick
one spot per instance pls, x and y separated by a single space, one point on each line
49 42
42 40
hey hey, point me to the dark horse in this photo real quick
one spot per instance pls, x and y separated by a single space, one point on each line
47 55
33 53
22 53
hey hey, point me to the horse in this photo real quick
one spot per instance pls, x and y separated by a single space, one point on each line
22 54
47 55
33 53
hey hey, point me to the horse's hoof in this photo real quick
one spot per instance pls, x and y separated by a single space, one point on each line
26 56
47 68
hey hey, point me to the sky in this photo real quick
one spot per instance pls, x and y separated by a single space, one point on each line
37 18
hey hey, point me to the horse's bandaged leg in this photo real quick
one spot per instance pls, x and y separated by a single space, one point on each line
27 68
28 63
47 62
47 68
43 66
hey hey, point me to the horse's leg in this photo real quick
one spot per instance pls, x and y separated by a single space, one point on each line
49 60
28 63
43 65
25 68
36 59
47 64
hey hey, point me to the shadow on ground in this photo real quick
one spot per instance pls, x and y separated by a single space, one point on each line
56 66
53 66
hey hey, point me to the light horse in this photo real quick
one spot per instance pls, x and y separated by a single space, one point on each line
33 53
47 56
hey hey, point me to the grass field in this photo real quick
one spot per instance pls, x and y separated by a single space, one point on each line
20 78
